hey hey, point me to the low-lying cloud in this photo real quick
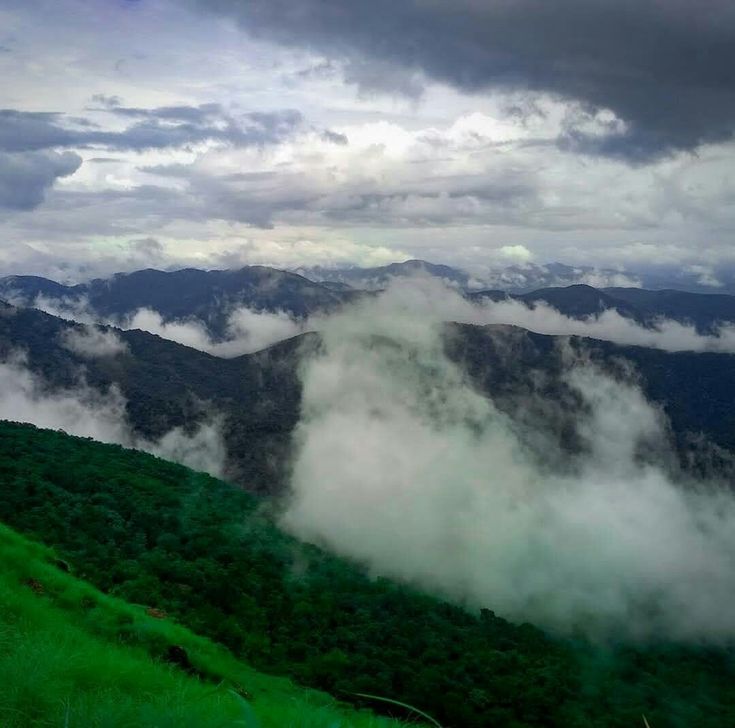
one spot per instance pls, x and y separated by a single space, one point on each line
609 325
84 411
90 342
401 463
247 330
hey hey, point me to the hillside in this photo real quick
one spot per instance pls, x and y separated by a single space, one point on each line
157 534
258 396
168 385
73 656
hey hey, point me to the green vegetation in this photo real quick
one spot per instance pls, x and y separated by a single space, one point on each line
159 535
71 656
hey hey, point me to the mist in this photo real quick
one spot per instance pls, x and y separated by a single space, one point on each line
90 341
400 463
609 325
247 330
86 412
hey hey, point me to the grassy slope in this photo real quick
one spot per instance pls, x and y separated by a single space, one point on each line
158 534
72 656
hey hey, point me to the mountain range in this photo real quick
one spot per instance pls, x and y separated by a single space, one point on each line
209 297
525 277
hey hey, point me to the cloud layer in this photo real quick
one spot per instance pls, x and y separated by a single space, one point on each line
346 132
247 330
400 463
26 176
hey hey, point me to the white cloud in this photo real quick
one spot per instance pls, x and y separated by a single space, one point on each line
516 253
247 330
401 463
609 325
92 341
451 176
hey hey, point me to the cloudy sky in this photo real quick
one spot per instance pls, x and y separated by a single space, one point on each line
218 133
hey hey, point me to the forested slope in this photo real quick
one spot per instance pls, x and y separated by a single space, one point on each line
158 534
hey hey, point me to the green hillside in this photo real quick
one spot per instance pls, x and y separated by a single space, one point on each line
162 536
71 656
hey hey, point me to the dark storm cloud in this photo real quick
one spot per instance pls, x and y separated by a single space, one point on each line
26 176
158 128
666 67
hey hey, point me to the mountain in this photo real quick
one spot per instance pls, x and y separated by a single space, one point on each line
694 390
531 276
372 279
703 310
74 656
258 396
183 544
169 385
580 301
577 301
25 289
209 296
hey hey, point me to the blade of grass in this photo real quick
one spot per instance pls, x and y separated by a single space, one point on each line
249 718
431 720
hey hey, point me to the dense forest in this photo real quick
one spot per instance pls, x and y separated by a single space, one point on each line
209 555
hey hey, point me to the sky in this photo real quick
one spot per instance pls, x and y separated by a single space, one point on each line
220 133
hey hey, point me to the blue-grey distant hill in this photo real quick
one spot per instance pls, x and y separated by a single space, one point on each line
210 296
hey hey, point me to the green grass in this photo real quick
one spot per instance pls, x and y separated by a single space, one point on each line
71 656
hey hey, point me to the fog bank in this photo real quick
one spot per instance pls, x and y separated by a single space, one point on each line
400 463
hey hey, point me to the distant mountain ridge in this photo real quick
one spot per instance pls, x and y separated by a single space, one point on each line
705 311
521 277
189 293
210 296
373 279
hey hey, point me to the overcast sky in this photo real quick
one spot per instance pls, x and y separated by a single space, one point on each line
218 133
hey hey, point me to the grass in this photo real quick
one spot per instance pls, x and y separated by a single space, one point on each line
71 656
